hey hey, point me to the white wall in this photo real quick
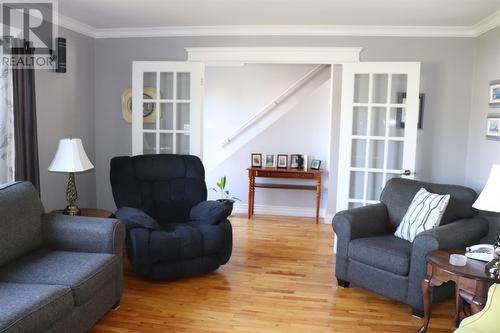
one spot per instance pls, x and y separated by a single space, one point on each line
232 96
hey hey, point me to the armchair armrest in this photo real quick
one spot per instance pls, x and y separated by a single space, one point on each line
83 234
455 235
136 218
209 212
361 222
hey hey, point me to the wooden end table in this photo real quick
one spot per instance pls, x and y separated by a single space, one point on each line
90 212
471 283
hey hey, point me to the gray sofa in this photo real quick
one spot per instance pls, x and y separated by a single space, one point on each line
370 256
57 273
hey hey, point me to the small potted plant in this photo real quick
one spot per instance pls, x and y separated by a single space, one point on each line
224 194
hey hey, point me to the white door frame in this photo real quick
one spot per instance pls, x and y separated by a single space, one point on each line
238 56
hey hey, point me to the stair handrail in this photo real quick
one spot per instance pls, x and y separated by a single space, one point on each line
276 101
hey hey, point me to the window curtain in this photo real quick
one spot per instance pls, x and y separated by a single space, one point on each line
25 126
7 150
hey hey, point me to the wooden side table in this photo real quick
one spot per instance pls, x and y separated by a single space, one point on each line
471 283
283 173
90 212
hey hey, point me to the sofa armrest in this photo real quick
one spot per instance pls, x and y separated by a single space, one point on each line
455 235
209 212
83 234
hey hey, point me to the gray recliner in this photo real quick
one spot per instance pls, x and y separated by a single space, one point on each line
370 256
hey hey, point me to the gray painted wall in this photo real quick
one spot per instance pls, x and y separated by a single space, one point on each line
446 76
65 107
482 153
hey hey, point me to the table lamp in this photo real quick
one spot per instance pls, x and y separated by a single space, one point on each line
489 200
71 157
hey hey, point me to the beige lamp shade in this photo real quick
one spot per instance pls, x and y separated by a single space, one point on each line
489 200
70 157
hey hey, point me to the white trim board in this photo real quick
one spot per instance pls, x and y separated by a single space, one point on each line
475 30
283 55
242 208
77 26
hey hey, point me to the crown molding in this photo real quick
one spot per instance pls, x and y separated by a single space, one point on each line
487 24
77 26
478 29
215 56
288 30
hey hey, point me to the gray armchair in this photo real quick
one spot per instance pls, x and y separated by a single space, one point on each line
370 256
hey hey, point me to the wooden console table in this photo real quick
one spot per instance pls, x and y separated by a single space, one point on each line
283 173
471 283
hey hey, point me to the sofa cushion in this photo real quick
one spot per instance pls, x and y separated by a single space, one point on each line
84 273
385 252
32 307
21 221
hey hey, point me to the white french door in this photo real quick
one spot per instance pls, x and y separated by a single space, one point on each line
378 129
167 107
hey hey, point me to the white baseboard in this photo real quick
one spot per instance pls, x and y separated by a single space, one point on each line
284 211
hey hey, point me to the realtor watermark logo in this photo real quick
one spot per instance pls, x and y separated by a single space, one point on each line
28 33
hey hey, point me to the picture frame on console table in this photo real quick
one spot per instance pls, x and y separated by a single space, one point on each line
256 160
295 161
270 161
315 164
282 162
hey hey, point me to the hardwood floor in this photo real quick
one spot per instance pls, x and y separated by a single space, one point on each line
280 279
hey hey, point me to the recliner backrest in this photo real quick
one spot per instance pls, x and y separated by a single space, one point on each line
398 194
20 220
164 186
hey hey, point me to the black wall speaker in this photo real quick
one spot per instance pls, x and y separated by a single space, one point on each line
61 55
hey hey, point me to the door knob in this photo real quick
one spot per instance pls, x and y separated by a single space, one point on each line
406 173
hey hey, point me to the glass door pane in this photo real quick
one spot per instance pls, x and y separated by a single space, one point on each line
183 86
149 143
166 85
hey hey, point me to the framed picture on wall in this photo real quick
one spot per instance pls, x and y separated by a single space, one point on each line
282 161
400 112
256 160
493 127
495 93
270 161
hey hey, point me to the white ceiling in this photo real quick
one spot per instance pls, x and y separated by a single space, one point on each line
109 14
